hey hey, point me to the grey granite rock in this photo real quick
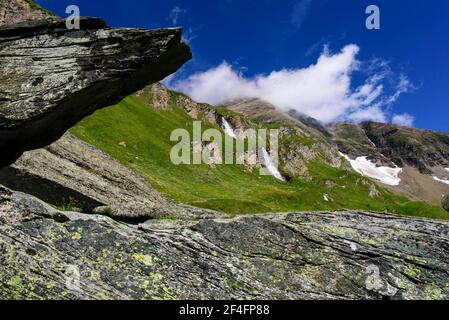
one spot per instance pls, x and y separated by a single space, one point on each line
326 255
52 77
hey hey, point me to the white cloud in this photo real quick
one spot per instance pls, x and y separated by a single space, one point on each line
403 86
403 120
370 113
323 90
175 13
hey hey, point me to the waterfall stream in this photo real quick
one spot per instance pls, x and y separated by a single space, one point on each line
270 166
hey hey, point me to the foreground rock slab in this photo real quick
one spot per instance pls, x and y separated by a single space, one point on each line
50 254
52 77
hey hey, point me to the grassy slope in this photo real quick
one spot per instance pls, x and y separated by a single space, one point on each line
228 188
36 6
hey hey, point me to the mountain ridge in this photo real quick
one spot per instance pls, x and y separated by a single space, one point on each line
333 256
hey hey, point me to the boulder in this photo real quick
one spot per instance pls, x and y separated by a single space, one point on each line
52 77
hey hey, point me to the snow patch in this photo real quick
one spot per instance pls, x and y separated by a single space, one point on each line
386 175
270 166
326 198
228 129
447 169
441 180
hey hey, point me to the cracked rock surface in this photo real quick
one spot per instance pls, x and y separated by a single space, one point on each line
52 77
46 253
13 11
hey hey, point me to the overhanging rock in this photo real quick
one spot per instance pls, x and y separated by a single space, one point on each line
52 77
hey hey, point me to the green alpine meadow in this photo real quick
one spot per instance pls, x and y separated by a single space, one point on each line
138 135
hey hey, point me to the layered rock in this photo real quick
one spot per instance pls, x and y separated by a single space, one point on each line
74 175
13 11
342 255
52 77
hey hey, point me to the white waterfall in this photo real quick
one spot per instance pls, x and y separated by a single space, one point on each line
228 129
270 166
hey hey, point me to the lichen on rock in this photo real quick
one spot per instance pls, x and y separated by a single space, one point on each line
324 255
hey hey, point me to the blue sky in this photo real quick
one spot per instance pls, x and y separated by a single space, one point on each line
287 51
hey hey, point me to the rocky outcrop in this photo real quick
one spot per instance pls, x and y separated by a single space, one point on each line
352 141
74 175
262 112
52 77
341 255
13 11
421 149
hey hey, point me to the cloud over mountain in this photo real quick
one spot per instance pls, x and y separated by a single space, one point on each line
323 90
403 120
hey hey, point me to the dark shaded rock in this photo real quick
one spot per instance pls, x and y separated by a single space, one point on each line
342 255
51 77
51 192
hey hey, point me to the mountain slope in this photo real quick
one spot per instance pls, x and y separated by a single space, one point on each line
422 149
136 132
422 155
